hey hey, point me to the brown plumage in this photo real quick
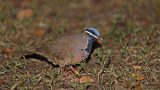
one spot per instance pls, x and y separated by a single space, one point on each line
65 50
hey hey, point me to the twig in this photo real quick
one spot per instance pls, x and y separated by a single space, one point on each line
15 85
106 61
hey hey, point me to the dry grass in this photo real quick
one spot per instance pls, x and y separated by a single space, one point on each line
129 58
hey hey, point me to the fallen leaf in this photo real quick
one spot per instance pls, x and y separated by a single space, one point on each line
86 79
137 68
25 3
39 32
137 86
25 13
7 51
119 87
138 77
3 81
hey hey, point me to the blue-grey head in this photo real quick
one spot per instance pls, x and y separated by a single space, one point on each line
93 33
93 39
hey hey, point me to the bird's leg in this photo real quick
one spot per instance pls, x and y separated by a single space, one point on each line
74 70
62 70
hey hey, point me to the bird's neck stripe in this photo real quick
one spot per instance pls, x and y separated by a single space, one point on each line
91 34
89 45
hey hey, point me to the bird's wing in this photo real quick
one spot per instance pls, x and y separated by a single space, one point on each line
64 50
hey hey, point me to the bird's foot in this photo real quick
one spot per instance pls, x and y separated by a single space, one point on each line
75 71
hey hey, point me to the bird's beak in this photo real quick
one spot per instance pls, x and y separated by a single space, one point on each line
100 40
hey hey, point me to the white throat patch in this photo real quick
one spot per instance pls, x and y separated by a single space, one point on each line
91 34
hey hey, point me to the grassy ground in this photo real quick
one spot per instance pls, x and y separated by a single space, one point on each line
129 58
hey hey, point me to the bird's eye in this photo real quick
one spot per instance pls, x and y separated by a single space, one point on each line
86 34
93 33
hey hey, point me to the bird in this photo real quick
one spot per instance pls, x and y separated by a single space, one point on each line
68 50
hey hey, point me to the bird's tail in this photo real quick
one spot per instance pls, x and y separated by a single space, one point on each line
22 54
